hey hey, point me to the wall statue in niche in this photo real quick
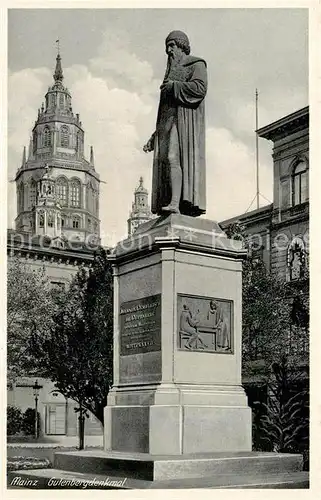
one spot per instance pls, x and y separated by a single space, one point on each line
205 324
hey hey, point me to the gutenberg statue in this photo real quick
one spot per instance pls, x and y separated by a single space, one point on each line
179 139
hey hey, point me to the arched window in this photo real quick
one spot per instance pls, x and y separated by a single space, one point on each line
76 223
300 184
32 193
62 191
61 100
64 136
46 137
75 193
296 259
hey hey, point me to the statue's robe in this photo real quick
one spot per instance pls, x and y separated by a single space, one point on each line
183 107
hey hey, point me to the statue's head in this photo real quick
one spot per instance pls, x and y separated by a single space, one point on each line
179 39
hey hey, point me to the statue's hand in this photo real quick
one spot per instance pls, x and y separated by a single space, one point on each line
166 86
150 145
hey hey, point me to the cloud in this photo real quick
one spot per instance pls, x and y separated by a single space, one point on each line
119 65
231 180
26 90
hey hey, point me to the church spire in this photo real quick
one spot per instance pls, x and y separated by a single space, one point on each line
58 74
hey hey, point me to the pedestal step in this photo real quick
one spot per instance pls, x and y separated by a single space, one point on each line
116 470
160 468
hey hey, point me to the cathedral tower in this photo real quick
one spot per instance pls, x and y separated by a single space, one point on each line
57 188
140 209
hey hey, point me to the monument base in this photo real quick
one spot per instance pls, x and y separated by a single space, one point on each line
211 419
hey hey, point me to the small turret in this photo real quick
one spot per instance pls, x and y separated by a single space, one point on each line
24 156
92 160
140 209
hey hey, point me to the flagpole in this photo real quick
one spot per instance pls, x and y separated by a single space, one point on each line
257 149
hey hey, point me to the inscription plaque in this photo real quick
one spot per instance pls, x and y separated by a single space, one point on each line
140 326
205 324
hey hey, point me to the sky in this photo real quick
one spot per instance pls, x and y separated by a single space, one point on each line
114 62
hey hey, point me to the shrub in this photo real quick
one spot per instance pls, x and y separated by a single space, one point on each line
28 422
14 420
284 419
26 463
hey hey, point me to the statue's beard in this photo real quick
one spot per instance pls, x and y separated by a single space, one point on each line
174 68
172 61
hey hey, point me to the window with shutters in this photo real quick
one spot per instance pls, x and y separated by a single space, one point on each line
300 184
75 193
62 191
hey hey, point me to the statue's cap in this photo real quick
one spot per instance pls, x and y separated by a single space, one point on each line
177 36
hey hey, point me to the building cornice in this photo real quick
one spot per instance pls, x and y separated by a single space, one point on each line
287 125
83 166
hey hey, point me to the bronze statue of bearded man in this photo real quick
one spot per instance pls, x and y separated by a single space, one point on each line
179 139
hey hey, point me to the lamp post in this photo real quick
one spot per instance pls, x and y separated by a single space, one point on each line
36 388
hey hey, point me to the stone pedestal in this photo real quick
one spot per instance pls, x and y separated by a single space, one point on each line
177 342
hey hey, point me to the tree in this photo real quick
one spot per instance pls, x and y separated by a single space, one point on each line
266 313
77 351
31 304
